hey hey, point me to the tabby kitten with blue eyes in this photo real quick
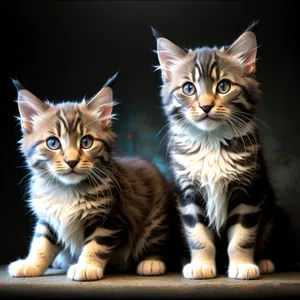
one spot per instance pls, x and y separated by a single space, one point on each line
210 98
94 211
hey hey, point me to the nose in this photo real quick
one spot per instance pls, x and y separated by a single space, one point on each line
72 163
206 108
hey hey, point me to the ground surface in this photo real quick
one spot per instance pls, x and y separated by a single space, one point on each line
55 285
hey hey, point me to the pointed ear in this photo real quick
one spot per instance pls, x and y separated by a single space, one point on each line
102 104
245 49
168 55
29 106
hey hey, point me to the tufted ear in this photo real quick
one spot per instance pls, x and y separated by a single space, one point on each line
102 102
168 54
29 106
245 49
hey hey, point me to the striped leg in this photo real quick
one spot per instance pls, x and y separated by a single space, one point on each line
94 256
243 222
42 252
200 240
154 240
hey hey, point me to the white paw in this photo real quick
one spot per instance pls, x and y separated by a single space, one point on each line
199 271
266 266
243 271
150 267
84 272
23 268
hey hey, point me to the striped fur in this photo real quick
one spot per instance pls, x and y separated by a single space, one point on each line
94 211
216 158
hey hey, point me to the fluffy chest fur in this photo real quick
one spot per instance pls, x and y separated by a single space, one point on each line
66 209
210 168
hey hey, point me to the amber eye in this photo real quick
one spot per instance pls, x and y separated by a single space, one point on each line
53 143
86 142
223 87
189 89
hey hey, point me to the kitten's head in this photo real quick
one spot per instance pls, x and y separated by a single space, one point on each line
210 88
69 141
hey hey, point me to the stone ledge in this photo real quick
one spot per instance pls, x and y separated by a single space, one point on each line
55 284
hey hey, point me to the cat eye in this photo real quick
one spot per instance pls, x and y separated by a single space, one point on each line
53 143
86 142
223 87
189 89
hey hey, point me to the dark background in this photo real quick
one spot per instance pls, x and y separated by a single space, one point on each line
65 50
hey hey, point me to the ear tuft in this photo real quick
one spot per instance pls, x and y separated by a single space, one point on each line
19 86
156 34
111 81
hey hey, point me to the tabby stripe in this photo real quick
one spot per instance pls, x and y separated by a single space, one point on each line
250 220
51 236
58 127
248 244
195 245
170 97
31 150
64 123
47 236
103 255
192 220
246 220
106 145
199 71
109 241
37 163
245 91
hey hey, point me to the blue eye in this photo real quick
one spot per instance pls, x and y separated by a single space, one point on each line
189 89
53 143
86 142
223 87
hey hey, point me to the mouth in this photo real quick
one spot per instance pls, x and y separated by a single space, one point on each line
207 117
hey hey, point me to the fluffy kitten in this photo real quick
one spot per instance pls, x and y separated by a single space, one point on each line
210 98
92 208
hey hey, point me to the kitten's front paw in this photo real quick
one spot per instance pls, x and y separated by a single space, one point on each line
150 267
199 271
243 271
23 268
84 272
266 266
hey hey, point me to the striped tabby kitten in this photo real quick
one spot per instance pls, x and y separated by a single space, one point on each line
95 209
210 97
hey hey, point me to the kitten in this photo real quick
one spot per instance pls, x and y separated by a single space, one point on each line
93 209
210 97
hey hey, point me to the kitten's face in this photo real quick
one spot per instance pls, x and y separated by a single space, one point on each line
209 87
70 142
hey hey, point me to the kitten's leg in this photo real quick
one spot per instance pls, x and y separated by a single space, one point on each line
95 254
200 240
242 239
42 252
152 265
63 260
266 266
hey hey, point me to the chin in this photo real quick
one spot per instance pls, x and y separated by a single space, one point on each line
208 124
71 179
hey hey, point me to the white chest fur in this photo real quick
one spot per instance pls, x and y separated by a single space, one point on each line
210 168
65 209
